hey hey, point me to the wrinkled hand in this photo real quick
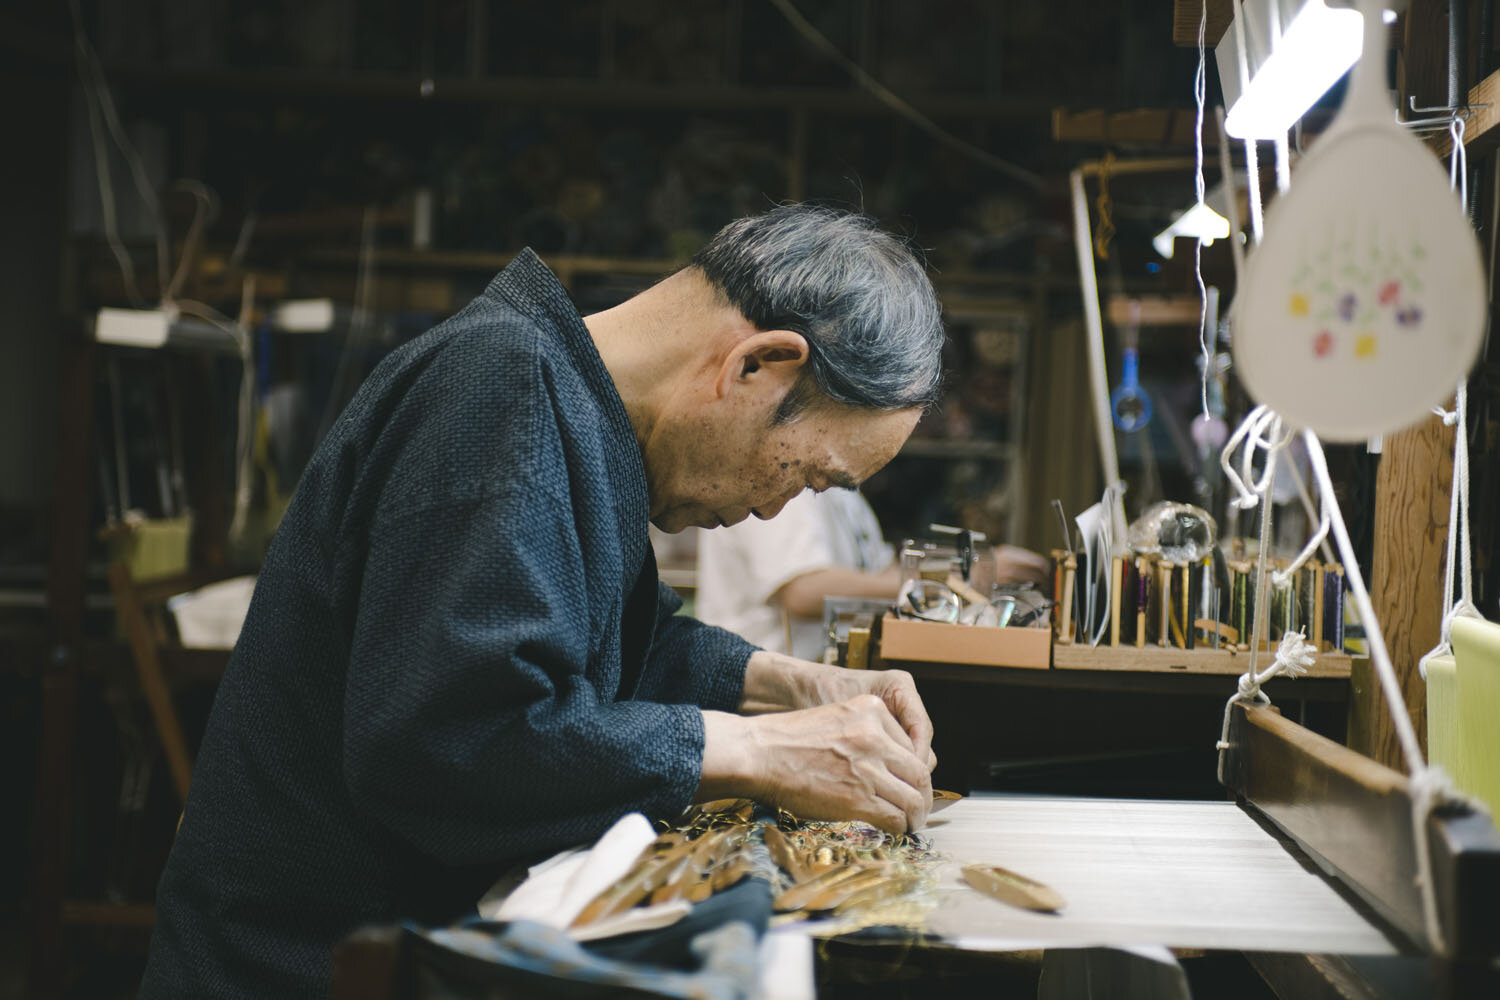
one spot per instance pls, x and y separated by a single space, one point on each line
846 760
897 692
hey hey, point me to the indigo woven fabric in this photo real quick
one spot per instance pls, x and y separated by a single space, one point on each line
458 657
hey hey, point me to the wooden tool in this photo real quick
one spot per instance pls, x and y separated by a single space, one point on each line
798 896
942 800
1009 887
784 854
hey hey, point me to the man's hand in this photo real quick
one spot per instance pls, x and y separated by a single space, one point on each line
777 683
1017 565
845 760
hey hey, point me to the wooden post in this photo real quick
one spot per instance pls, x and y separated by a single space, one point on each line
1412 485
59 681
1406 580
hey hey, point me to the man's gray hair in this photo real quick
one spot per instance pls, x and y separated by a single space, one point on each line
859 295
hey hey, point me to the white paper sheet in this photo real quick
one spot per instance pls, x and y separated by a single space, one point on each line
1138 872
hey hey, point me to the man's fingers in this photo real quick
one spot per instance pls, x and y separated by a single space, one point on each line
893 729
906 705
886 816
912 803
931 761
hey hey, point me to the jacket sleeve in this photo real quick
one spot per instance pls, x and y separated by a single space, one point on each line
471 727
693 663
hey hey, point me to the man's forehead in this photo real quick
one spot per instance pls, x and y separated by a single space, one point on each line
863 442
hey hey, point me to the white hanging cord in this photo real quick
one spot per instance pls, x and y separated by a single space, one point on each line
1283 164
1243 498
1321 537
1458 163
1261 429
1459 552
1429 786
1283 155
1252 162
1407 736
1459 544
1231 196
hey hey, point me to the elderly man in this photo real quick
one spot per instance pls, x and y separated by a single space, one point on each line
459 655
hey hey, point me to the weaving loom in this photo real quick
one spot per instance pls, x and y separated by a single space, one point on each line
1324 851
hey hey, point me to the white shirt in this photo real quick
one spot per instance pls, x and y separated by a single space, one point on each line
740 567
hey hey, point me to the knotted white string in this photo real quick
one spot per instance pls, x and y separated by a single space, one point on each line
1293 657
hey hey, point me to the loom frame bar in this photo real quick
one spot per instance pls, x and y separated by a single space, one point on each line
1352 816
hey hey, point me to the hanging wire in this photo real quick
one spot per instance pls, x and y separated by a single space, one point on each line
1199 96
898 104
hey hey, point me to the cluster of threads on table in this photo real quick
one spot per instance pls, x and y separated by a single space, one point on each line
843 875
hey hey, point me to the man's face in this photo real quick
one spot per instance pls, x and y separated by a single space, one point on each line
728 472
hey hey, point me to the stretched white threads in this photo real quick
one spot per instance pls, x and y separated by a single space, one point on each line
1428 786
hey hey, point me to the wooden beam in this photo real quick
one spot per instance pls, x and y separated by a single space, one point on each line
100 913
1411 530
1482 129
1169 659
1422 70
1142 126
1155 310
1162 165
1354 818
1187 13
1311 977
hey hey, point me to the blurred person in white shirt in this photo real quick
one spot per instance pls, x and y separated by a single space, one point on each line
766 580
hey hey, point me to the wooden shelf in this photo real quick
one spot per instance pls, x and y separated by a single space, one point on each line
193 85
492 261
1185 17
1169 659
1155 310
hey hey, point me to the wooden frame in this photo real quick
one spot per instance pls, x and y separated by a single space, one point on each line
1353 817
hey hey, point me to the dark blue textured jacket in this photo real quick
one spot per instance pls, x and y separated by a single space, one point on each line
458 656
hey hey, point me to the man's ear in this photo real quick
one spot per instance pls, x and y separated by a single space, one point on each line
768 359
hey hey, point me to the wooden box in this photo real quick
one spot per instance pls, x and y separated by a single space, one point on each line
938 642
